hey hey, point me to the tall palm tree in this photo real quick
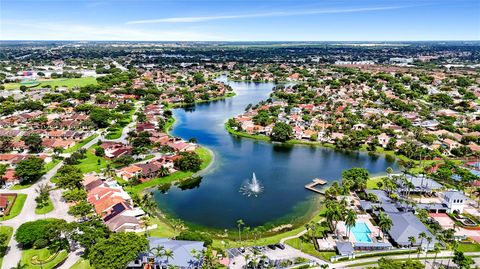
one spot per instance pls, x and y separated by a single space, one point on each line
384 222
240 223
350 220
389 171
412 241
422 236
157 252
436 249
429 241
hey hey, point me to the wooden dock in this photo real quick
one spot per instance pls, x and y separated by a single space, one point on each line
316 181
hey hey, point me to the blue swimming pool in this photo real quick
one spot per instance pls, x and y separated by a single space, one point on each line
361 232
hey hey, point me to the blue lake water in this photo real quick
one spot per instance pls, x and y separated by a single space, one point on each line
282 170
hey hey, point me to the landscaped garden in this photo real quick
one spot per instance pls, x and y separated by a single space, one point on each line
16 208
5 235
42 258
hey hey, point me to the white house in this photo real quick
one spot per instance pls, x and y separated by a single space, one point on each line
455 201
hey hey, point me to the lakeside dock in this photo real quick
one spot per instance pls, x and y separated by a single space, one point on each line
312 186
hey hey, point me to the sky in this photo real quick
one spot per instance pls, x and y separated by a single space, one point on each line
240 20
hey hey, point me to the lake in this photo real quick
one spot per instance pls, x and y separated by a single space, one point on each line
283 170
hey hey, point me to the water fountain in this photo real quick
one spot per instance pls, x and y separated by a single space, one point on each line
251 187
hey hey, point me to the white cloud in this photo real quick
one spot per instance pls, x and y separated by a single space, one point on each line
260 15
21 30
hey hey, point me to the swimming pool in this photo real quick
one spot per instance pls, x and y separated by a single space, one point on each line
361 232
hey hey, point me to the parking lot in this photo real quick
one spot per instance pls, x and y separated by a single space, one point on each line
267 256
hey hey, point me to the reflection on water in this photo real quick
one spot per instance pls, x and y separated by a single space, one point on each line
282 169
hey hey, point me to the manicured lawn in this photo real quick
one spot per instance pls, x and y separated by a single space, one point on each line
50 165
8 231
309 248
372 182
465 247
46 209
82 264
29 257
20 186
92 163
17 207
81 144
60 82
204 155
116 132
163 229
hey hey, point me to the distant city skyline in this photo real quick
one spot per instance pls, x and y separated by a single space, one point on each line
247 20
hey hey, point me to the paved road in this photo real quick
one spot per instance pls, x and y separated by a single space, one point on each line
405 256
27 214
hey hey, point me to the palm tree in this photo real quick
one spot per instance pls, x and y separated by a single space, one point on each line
412 241
147 222
157 252
350 220
384 222
436 249
240 223
163 171
422 236
168 253
429 241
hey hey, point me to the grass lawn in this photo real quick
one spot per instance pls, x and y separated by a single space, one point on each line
163 229
273 239
29 257
60 82
50 165
20 186
372 182
46 209
92 163
465 247
116 131
81 144
82 264
17 207
206 160
8 231
309 248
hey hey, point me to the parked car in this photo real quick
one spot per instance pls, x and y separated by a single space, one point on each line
272 247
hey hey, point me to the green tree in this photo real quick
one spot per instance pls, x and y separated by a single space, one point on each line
33 141
30 169
117 251
30 232
461 260
100 116
90 232
188 161
69 177
358 175
281 132
350 220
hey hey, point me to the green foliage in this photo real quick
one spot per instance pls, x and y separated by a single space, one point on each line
34 142
188 161
385 263
100 116
30 169
281 132
69 177
30 232
195 236
117 251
